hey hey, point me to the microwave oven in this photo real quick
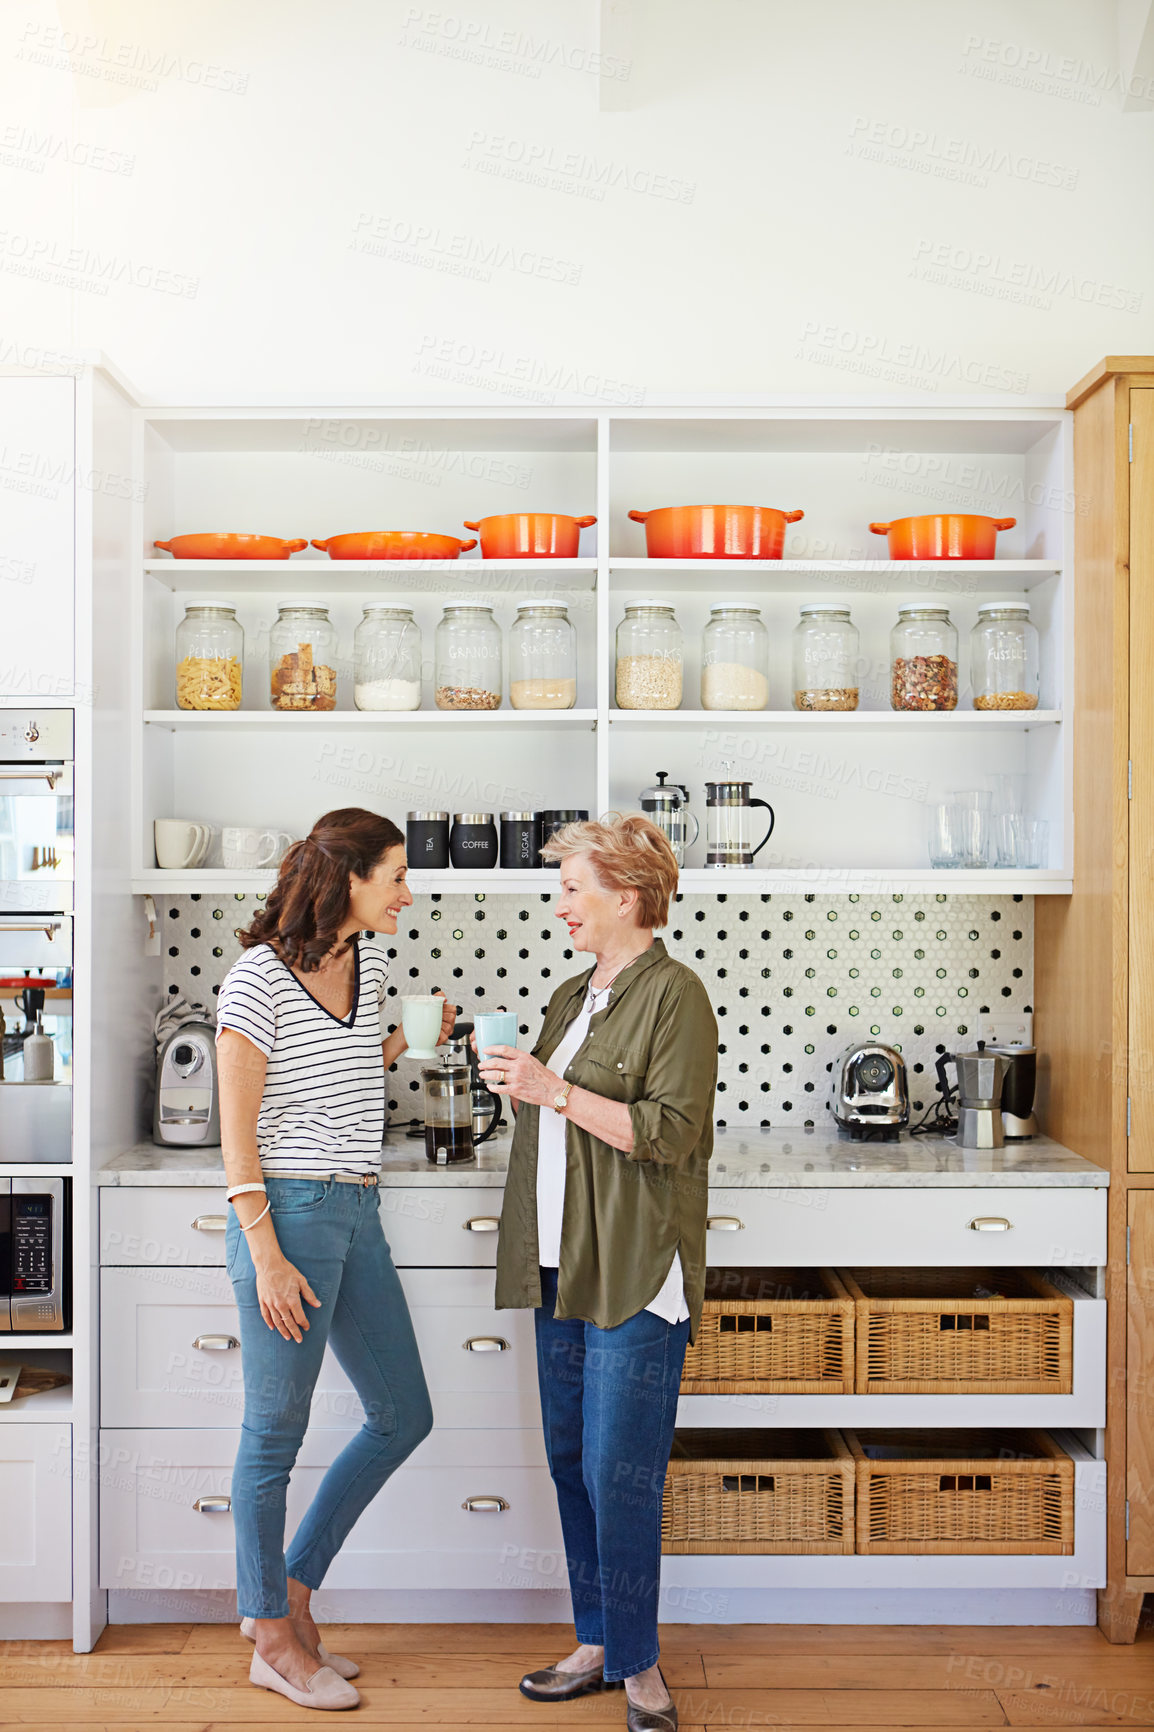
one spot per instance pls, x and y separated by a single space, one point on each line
34 1254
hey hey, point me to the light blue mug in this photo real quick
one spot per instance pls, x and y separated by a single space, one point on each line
494 1028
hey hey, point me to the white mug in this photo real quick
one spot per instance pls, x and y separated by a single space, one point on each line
245 849
180 842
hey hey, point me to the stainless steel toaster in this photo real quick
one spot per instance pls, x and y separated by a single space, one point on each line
187 1106
868 1094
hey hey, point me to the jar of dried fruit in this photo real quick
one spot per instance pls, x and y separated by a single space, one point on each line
209 657
735 658
924 660
650 650
825 658
542 657
468 657
1004 657
303 658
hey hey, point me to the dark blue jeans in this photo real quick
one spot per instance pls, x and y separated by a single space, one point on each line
609 1403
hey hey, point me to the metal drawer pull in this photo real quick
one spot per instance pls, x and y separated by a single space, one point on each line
486 1344
211 1223
724 1224
485 1505
31 775
990 1224
215 1343
49 929
482 1224
212 1505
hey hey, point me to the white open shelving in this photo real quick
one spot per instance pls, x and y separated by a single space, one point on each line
850 791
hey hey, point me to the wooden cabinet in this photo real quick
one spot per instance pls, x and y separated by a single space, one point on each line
1094 950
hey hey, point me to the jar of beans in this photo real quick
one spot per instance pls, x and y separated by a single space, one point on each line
825 658
650 650
924 660
468 657
1004 657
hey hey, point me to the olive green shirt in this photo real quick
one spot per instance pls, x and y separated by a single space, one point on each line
625 1214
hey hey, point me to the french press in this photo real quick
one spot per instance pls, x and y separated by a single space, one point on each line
668 808
449 1135
729 823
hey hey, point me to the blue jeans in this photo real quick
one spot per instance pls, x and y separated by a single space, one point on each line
332 1233
609 1403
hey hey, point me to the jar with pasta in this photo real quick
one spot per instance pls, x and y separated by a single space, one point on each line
303 658
209 657
1004 657
825 658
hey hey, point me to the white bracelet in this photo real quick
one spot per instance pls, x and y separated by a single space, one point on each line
255 1223
239 1191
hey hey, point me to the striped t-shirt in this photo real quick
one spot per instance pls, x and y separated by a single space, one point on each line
323 1108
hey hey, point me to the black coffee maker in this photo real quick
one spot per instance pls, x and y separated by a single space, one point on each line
1017 1102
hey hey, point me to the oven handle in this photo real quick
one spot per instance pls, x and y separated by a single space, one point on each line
32 775
48 927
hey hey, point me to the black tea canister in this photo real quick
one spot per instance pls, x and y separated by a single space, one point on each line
473 841
427 841
520 841
551 821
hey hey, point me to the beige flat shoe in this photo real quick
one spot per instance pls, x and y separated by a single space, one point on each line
323 1690
342 1667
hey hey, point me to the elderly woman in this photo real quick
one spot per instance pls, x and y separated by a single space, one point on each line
603 1232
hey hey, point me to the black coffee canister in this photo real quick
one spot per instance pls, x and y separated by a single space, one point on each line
427 841
520 840
473 841
551 821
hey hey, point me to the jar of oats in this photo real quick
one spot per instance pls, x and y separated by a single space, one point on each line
924 660
734 658
468 658
303 658
650 650
542 657
209 657
825 658
1004 657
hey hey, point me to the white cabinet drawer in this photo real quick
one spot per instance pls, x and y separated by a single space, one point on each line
912 1227
415 1533
166 1358
428 1227
35 1512
162 1224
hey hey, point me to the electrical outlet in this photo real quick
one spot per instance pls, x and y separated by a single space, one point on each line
1006 1028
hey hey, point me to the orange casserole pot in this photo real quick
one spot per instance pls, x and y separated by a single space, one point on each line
230 547
943 535
530 535
715 531
394 544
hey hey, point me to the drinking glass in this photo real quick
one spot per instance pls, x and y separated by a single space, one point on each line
1006 837
1032 842
975 837
945 834
421 1018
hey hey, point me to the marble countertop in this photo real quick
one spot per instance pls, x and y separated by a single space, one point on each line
761 1160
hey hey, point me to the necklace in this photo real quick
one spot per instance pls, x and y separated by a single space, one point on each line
596 991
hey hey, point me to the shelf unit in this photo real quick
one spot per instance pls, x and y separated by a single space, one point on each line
850 791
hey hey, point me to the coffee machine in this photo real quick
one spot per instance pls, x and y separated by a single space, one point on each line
981 1077
1017 1102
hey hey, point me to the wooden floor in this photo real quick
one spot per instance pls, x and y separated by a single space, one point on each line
729 1677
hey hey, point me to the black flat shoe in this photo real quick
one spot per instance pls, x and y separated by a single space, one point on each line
551 1685
651 1719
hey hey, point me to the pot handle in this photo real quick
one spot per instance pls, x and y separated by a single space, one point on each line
769 832
467 546
295 546
793 516
469 525
167 545
637 516
1004 522
880 528
323 545
586 522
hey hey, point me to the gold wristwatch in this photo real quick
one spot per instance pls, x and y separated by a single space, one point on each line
561 1101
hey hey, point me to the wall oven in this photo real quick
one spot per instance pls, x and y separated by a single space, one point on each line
37 843
33 1254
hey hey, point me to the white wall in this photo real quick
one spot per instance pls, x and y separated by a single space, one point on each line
240 220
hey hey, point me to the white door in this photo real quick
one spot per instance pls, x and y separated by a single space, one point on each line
37 536
35 1512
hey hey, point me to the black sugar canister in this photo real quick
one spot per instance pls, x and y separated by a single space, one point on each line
427 841
551 821
520 841
473 841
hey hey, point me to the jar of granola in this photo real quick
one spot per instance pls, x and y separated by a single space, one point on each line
650 648
1004 657
825 658
924 660
468 657
303 658
209 657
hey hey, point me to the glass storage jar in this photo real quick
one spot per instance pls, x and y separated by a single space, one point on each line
303 658
825 658
1004 657
924 660
542 658
734 658
209 657
468 657
387 660
650 649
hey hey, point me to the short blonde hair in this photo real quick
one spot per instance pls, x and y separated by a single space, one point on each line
627 852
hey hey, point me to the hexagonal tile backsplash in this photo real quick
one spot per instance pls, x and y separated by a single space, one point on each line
793 979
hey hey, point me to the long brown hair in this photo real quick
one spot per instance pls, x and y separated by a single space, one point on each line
309 902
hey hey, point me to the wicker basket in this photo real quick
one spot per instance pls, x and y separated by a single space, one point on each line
930 1331
758 1491
772 1331
962 1491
